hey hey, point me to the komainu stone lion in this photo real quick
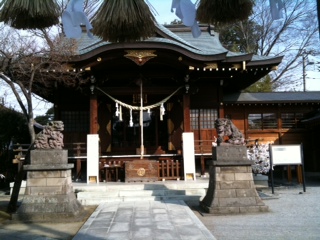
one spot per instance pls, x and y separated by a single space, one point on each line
50 137
225 127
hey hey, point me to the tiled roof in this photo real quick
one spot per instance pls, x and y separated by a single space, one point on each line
208 44
272 97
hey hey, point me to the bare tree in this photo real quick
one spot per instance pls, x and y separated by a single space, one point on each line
28 65
292 36
36 61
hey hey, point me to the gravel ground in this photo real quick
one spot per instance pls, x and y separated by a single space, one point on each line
293 214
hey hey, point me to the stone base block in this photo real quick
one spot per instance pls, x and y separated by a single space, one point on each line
231 186
50 217
49 195
233 210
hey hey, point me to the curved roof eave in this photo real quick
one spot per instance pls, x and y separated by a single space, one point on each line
206 48
258 60
154 43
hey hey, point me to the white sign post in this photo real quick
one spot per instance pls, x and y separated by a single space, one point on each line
92 158
286 155
188 156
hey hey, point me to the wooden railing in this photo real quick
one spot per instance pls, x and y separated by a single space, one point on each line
170 170
77 153
203 146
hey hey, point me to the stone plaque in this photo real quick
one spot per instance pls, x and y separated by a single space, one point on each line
230 153
141 171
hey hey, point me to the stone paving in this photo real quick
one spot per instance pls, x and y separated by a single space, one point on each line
152 220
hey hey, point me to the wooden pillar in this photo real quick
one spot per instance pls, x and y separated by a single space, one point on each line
220 100
93 114
186 113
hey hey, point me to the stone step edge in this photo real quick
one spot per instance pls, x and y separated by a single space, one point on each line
97 201
139 194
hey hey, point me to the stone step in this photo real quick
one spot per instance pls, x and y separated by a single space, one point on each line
87 198
141 193
191 192
140 186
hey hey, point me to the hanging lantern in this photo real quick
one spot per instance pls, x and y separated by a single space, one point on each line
123 21
222 11
29 14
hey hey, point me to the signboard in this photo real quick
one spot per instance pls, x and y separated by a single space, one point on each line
286 154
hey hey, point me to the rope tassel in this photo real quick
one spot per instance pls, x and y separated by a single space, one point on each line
162 112
120 114
131 122
117 111
124 21
222 11
29 14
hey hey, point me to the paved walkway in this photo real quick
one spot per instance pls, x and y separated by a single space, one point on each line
293 215
152 220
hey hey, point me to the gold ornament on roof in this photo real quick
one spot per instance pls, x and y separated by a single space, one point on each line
211 66
140 57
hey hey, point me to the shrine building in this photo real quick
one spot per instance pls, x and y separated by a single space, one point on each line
182 84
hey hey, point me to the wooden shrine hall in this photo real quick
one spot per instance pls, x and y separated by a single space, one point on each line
172 84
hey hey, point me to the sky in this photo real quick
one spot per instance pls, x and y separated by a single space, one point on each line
163 10
313 74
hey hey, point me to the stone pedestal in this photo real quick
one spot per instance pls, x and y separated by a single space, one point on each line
49 195
231 186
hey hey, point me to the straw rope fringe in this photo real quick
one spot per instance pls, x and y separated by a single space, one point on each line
138 107
123 21
29 14
224 11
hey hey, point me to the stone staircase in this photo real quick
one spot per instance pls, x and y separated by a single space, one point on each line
189 191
